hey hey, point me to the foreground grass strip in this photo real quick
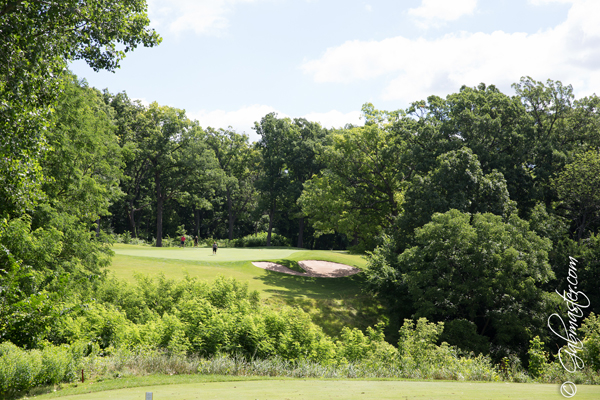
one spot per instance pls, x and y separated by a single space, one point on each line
109 386
201 387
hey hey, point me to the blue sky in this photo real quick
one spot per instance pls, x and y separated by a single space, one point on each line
229 62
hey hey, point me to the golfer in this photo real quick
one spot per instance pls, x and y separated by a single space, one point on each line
215 248
183 241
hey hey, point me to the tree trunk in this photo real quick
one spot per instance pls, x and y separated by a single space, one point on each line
230 212
301 232
271 212
98 228
197 221
159 210
132 221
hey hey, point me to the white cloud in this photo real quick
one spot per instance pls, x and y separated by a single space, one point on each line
368 7
543 2
570 52
334 118
432 11
242 120
142 100
201 16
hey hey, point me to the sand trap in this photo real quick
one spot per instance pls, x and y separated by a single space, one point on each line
313 268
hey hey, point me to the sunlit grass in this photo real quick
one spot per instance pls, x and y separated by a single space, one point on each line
179 387
332 302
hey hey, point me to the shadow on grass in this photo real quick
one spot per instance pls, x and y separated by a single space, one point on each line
332 303
298 286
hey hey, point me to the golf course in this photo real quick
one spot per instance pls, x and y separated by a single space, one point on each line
330 302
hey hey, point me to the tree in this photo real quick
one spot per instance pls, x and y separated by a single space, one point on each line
83 165
360 189
457 182
497 129
165 145
471 267
578 188
303 162
239 162
132 128
39 37
274 181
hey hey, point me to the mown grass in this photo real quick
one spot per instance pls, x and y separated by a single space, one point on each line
179 387
332 302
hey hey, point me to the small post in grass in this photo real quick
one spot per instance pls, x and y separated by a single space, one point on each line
148 395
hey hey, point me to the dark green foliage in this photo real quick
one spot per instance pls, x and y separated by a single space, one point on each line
260 239
457 182
578 189
476 268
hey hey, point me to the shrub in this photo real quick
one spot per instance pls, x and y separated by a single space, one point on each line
21 370
591 342
260 239
538 358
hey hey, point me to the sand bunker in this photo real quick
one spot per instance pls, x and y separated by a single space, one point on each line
313 268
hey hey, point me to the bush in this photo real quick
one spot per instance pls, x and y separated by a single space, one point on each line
260 239
21 370
591 342
538 358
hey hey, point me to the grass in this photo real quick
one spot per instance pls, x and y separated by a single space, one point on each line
332 302
180 387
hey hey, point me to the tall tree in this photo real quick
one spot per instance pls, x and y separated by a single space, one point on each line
475 268
274 180
457 182
578 188
303 162
360 189
84 161
239 162
165 142
133 129
38 38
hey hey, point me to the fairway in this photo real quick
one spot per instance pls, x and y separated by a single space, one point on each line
313 389
176 263
332 302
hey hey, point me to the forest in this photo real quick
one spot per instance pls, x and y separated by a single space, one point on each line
470 210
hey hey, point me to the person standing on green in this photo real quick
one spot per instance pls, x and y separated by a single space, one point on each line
182 241
215 248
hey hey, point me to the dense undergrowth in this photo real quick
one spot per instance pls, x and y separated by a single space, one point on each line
190 327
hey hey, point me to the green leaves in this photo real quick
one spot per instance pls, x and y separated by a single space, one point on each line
38 39
578 188
480 269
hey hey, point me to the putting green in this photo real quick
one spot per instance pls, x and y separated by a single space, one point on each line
311 389
203 253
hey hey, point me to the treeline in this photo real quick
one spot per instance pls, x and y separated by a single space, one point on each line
471 205
179 178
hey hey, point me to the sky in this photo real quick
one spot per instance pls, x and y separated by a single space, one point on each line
230 62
